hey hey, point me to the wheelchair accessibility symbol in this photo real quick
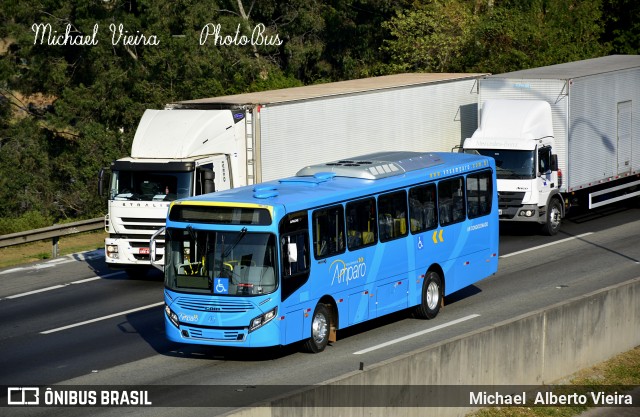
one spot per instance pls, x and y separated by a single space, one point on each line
222 286
420 244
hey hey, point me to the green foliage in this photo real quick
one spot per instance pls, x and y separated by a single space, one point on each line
26 221
68 110
493 36
622 26
430 38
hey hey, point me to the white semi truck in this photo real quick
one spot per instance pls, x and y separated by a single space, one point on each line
201 146
563 135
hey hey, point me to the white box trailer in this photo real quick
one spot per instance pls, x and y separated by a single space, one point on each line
595 136
295 127
197 146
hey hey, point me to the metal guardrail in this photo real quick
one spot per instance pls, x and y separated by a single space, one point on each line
52 232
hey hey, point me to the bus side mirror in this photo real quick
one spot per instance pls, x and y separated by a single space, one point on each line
292 248
153 249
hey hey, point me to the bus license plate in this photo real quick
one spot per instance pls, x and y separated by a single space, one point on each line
143 251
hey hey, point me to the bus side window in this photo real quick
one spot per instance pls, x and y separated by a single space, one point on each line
361 223
479 194
451 201
392 215
294 250
422 208
295 253
328 232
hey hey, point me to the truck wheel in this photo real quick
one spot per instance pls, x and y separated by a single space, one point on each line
320 323
431 297
554 218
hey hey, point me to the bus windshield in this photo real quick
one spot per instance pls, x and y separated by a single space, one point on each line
221 263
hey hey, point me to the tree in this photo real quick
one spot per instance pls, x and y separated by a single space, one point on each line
99 65
68 108
622 27
431 38
493 36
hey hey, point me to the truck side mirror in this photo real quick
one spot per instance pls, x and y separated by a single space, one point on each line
205 183
209 184
554 162
101 181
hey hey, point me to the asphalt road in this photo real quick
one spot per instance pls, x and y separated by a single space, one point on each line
72 321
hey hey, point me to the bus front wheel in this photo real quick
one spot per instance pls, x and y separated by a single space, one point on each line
431 296
320 324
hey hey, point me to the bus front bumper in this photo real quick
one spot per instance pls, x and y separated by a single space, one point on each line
264 336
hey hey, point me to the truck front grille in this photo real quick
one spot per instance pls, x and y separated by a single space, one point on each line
509 202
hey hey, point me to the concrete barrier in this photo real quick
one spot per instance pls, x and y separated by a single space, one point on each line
534 349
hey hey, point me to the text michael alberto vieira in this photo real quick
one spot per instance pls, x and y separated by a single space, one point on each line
45 34
548 398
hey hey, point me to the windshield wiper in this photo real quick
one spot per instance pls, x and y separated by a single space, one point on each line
243 232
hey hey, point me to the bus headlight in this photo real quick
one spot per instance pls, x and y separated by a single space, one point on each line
172 316
263 319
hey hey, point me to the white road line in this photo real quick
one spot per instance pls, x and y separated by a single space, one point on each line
58 260
24 294
11 271
402 339
77 257
55 287
122 313
545 245
82 281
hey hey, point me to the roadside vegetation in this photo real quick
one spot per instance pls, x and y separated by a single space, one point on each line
69 108
38 251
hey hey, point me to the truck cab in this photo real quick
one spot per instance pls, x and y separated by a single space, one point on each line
518 134
175 154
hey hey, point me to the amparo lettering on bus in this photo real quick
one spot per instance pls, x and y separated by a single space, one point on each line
343 273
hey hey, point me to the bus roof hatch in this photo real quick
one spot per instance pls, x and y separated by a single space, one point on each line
375 165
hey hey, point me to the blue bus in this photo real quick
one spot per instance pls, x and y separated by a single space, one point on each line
338 244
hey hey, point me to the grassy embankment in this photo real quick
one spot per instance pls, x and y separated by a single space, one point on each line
38 251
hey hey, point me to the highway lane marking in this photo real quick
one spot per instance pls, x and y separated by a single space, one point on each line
545 245
24 294
77 257
55 287
82 323
420 333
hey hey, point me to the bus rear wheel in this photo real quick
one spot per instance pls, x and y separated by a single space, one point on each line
431 296
320 325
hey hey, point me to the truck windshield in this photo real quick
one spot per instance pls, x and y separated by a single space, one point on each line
221 263
150 186
510 164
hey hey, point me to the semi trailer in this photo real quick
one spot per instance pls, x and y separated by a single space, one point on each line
206 145
563 136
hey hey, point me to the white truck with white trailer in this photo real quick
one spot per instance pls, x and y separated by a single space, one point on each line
200 146
563 135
